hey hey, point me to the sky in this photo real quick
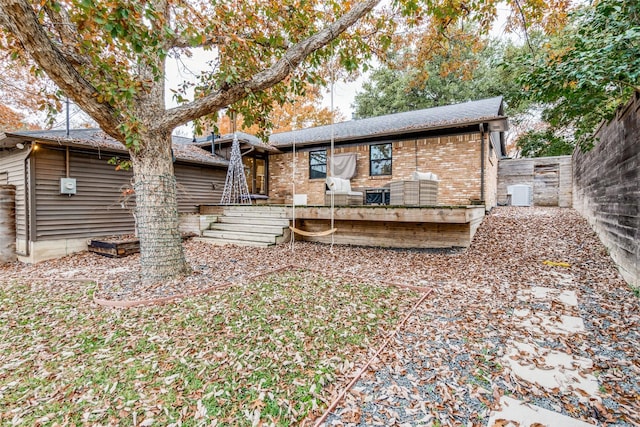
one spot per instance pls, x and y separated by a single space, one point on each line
344 92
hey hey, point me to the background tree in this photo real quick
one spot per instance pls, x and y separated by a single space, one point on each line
11 120
583 73
399 85
302 112
543 143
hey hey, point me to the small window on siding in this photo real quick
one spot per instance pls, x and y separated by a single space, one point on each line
380 159
318 164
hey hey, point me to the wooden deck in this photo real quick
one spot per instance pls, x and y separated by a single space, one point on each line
395 227
385 226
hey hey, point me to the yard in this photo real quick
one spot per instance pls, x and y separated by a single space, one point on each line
286 332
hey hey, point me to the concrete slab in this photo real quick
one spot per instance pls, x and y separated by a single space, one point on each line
566 297
540 322
516 413
552 369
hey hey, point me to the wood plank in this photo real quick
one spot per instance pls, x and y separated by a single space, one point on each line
394 234
440 215
116 248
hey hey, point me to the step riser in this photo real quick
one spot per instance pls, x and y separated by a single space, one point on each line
256 214
212 241
253 228
272 222
231 235
261 209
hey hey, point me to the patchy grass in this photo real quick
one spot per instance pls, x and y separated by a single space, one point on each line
272 352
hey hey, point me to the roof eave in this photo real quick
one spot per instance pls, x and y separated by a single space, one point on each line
72 144
397 132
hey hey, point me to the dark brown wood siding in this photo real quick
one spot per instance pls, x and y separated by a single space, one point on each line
13 171
198 186
96 209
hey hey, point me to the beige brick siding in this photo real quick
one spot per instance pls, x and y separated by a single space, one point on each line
455 159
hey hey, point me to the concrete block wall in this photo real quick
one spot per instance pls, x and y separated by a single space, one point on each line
455 159
606 188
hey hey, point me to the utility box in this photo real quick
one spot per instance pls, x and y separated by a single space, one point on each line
300 199
68 186
520 195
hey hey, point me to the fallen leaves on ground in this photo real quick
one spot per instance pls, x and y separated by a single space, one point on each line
270 352
443 369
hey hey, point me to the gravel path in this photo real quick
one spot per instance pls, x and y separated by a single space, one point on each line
445 368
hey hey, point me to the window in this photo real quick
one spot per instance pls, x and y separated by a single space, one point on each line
255 170
318 164
380 159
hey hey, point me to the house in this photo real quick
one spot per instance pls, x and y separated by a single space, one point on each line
67 192
255 157
461 144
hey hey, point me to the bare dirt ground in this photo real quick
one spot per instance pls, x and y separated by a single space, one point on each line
445 365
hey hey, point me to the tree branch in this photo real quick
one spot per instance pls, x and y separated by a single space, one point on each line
267 78
183 42
524 26
18 17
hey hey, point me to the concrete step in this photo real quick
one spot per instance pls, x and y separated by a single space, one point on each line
247 220
251 227
256 212
241 235
215 241
261 208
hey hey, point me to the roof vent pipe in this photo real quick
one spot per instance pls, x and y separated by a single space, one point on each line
67 117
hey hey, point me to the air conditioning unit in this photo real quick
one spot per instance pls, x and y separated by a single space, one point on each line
68 186
521 195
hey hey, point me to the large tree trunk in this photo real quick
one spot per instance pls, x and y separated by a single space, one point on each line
161 254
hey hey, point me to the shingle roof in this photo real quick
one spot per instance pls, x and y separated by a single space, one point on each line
243 137
95 138
393 124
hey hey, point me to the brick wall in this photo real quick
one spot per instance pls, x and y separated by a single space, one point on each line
606 188
455 159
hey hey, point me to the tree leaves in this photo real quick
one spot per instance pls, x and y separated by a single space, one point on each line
589 69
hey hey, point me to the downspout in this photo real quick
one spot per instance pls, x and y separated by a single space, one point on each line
482 163
28 176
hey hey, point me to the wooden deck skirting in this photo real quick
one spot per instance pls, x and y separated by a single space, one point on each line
436 214
384 226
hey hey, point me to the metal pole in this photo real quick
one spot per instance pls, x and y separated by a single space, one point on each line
67 116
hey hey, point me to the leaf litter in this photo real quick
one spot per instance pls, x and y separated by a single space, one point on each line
188 363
